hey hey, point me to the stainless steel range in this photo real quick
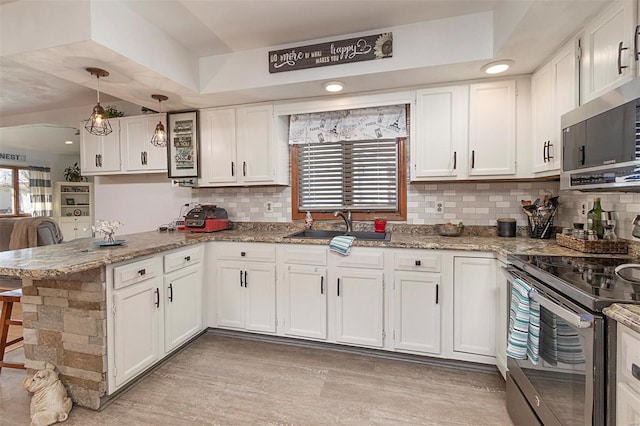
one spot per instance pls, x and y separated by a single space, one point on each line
573 382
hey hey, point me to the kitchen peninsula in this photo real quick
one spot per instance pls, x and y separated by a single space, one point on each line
65 288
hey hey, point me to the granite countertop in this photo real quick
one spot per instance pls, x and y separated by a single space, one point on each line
81 255
628 315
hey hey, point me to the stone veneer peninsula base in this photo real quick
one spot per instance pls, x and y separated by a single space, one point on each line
65 323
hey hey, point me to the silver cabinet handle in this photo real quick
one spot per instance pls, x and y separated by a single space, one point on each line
97 160
636 54
142 158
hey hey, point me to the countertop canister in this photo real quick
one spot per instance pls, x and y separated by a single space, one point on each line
506 227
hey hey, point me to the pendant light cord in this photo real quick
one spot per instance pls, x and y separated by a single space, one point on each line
98 88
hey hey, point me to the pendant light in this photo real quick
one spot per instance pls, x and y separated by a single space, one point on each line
98 124
159 137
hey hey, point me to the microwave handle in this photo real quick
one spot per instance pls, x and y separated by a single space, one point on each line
577 320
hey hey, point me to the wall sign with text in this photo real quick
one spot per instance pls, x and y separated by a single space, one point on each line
367 48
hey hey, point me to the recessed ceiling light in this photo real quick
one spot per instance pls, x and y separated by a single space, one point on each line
497 66
333 86
68 142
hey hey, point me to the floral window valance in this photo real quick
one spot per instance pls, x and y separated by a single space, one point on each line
385 122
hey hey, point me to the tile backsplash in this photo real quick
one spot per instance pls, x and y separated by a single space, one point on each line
472 203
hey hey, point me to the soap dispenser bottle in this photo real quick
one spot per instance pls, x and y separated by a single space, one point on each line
308 220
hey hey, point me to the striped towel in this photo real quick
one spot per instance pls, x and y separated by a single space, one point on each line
341 244
560 343
524 323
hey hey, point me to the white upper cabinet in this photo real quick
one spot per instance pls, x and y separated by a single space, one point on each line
239 148
100 155
218 147
492 125
554 92
607 50
465 132
126 150
138 154
441 132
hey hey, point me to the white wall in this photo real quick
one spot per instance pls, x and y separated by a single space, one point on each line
57 162
141 202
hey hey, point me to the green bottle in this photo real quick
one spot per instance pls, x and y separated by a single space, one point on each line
594 218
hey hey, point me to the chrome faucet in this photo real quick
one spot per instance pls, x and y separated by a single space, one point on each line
347 219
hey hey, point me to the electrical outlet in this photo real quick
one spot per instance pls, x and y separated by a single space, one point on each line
268 206
439 207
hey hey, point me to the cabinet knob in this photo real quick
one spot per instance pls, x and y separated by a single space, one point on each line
243 253
418 262
187 258
142 272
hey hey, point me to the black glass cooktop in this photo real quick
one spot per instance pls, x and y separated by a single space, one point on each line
591 281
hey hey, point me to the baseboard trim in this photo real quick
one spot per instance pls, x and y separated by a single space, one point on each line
377 353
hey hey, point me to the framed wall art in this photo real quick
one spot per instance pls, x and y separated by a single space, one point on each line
183 144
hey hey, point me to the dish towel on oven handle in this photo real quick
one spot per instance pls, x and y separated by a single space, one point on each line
341 244
524 323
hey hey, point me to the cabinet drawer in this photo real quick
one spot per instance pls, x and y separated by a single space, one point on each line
305 255
417 260
254 252
629 356
183 258
136 272
359 258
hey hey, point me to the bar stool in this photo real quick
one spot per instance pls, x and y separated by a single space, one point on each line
8 298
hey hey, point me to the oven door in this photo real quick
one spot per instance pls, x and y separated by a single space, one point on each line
560 387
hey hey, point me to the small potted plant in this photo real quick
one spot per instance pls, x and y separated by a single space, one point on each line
73 174
380 224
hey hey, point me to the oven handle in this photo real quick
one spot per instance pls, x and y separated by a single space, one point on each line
577 320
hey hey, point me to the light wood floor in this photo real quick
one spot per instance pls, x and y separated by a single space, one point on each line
229 380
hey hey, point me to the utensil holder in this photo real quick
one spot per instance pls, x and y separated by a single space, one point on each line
540 227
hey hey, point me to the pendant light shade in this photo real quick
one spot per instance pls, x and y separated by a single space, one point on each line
159 137
98 124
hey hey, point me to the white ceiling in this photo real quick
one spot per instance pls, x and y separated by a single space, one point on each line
40 137
217 27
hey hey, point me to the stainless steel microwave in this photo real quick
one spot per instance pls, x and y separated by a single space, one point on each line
601 142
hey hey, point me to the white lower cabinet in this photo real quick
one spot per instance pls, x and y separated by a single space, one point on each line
136 333
305 301
246 295
474 305
627 376
359 306
417 312
183 306
150 313
503 299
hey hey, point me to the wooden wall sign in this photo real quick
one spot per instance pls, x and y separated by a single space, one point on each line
367 48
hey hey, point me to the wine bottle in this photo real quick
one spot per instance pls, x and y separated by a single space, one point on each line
594 218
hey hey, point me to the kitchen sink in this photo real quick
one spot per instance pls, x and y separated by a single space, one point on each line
360 235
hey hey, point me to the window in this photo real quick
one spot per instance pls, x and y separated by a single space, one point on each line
367 177
14 191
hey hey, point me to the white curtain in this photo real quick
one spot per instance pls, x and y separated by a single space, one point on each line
40 191
386 122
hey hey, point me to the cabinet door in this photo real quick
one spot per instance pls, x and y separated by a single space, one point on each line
359 306
136 328
183 306
68 230
602 45
90 150
502 317
441 130
565 98
230 285
542 117
492 121
255 144
110 159
305 302
417 311
474 305
627 405
218 163
138 152
260 297
83 229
